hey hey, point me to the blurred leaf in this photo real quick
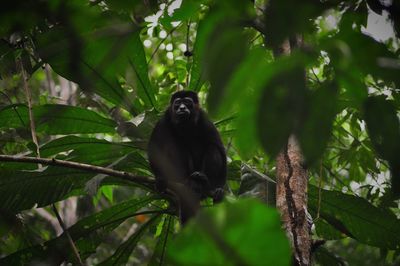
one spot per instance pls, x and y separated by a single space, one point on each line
285 18
384 130
204 31
383 126
159 256
138 7
281 104
221 236
315 131
56 119
357 218
188 10
121 255
220 46
97 58
242 93
88 232
226 48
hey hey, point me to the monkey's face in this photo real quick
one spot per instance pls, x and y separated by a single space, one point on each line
183 109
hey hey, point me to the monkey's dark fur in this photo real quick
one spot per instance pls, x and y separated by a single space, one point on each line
186 154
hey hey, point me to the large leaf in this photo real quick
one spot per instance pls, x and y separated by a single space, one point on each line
244 92
20 190
357 218
94 151
81 144
245 232
56 119
315 130
87 232
95 56
286 18
282 102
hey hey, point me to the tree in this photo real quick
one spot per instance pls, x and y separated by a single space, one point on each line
83 83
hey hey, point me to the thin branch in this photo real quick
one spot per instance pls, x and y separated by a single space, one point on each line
29 100
187 52
163 40
71 242
143 180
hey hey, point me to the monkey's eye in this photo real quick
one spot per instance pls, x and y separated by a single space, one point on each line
188 102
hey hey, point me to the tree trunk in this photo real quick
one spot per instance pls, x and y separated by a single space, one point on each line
291 200
291 187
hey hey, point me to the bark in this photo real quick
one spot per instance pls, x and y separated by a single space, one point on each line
291 200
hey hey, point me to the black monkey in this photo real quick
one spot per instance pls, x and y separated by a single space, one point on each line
186 154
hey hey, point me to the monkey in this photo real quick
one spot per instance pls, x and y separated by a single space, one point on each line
186 154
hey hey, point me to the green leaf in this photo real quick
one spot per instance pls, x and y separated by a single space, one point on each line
324 257
226 48
56 119
159 256
220 47
121 255
243 93
186 11
88 233
204 30
315 131
327 231
95 59
357 218
82 146
298 17
221 236
384 130
281 104
383 126
20 190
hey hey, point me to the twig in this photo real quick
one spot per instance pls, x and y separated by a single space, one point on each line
188 52
163 40
65 229
29 100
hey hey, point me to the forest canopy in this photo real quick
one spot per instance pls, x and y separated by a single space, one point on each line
83 82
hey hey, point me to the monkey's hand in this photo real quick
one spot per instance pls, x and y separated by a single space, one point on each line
199 177
198 182
218 195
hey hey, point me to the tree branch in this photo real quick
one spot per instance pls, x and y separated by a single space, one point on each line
143 180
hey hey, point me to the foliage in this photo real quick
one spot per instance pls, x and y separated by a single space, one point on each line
101 73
